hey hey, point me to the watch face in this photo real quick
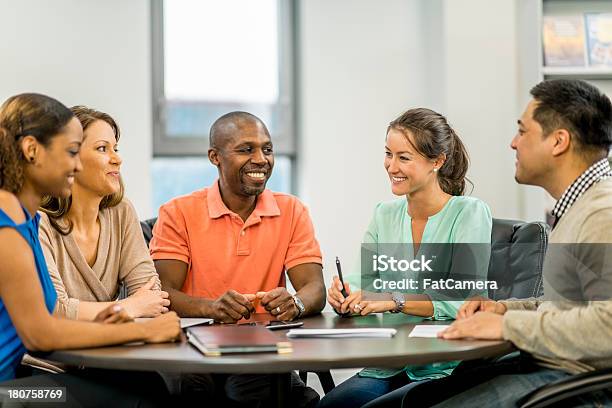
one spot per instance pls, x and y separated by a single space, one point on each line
298 303
399 300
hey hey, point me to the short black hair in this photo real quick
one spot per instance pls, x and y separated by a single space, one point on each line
577 106
227 124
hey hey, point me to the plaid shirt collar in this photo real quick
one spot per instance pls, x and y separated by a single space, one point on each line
598 171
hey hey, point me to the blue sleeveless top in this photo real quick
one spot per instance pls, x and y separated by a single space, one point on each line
11 347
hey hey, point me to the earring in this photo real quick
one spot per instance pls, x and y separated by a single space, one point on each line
32 159
435 169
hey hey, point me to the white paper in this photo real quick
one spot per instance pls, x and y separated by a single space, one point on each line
427 330
341 333
185 321
194 321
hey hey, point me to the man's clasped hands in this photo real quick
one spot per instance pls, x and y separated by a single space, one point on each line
233 306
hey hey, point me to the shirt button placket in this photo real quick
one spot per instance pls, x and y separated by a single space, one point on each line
243 243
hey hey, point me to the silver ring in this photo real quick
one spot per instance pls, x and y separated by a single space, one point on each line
357 307
277 310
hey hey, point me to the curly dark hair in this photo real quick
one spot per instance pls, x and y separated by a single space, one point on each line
11 175
27 114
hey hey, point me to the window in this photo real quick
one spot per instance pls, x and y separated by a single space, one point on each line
177 176
211 57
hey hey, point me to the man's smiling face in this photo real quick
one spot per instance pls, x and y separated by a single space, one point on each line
246 159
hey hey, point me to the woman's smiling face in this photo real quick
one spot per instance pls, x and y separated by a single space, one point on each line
408 170
56 166
100 160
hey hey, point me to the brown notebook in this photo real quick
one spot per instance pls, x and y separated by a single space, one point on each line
219 340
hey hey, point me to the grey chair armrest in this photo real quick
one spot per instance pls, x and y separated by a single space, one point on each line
567 388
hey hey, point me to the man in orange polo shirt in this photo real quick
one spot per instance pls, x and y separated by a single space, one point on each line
223 249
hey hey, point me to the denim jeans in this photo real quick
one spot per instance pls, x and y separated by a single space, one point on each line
393 398
358 391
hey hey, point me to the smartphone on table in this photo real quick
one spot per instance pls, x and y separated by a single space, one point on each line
280 325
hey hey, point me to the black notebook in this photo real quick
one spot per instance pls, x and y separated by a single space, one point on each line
219 340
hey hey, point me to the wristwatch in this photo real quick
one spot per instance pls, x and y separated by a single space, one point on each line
399 300
299 304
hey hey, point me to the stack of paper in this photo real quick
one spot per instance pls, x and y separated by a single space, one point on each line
341 333
185 321
427 330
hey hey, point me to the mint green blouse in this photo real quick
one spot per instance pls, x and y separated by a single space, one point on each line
462 220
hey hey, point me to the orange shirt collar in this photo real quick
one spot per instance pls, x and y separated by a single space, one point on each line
266 203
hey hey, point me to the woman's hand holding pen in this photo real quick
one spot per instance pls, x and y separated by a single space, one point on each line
341 303
339 294
352 303
334 293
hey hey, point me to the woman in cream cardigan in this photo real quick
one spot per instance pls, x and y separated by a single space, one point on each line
92 240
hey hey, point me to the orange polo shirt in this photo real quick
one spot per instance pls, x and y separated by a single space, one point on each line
223 252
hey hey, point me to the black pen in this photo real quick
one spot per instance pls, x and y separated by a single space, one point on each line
339 269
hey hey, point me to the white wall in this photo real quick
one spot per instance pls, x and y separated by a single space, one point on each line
362 63
90 52
480 95
359 70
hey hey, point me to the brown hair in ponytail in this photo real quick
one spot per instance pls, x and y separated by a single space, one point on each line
28 114
433 137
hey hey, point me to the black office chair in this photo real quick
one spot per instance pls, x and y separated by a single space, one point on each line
557 392
517 258
147 229
327 382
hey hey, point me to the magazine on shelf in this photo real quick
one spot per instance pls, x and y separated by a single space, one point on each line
599 39
564 41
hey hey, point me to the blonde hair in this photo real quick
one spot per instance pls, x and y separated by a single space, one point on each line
57 208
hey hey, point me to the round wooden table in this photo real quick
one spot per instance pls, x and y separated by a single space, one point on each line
308 354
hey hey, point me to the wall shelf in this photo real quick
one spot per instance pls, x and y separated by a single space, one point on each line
577 72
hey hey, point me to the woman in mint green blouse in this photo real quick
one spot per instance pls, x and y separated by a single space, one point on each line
426 163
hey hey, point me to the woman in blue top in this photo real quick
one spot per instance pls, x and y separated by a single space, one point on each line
426 163
39 155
